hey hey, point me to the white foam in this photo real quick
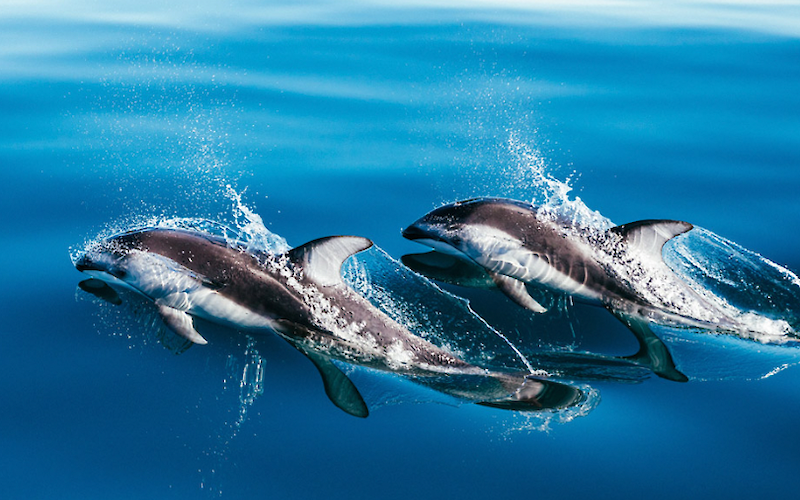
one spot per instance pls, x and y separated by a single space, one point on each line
543 421
251 228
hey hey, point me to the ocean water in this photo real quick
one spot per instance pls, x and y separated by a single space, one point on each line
288 122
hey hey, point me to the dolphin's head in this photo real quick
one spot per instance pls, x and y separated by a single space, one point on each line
103 257
471 228
443 228
109 259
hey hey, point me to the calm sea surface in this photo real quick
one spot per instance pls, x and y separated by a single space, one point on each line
357 119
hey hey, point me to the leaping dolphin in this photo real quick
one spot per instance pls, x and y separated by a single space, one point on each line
621 269
300 295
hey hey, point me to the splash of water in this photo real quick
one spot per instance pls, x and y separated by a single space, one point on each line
758 293
241 226
550 194
249 380
742 286
429 312
543 421
251 229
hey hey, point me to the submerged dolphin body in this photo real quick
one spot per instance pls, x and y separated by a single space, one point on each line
300 295
621 269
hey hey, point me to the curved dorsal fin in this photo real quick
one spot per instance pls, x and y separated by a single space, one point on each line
649 236
322 259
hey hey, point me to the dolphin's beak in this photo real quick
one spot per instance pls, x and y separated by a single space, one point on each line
413 232
86 264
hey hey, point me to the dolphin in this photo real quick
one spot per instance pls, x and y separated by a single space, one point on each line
301 296
621 269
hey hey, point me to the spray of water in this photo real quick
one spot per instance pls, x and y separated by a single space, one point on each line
529 168
726 282
544 421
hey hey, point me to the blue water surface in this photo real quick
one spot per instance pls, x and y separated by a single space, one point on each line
357 119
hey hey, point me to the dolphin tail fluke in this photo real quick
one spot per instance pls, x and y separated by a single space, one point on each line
653 353
535 394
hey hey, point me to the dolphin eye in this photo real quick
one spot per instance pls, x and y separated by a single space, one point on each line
120 273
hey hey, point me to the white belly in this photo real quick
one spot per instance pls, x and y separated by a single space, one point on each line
214 307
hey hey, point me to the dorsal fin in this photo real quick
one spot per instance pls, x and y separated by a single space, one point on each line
322 259
649 236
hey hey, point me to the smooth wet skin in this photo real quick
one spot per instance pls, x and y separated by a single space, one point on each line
301 296
518 245
511 239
